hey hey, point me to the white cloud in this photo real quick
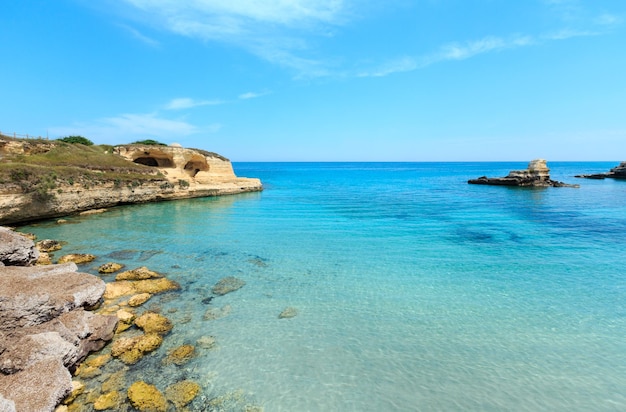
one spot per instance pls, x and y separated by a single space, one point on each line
403 64
140 36
252 95
607 19
272 30
188 103
128 127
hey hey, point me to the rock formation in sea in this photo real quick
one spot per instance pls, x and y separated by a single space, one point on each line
46 328
536 175
178 173
618 172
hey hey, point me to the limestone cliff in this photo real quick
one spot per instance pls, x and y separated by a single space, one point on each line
172 173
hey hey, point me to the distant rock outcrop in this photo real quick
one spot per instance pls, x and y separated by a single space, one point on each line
45 330
536 175
618 172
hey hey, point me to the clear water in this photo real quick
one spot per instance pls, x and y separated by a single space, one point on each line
415 291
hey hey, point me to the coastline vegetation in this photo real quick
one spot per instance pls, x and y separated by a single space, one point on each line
45 165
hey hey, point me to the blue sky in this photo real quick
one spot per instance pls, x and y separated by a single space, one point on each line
323 80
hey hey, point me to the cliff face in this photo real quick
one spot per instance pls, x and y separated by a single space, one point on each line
179 173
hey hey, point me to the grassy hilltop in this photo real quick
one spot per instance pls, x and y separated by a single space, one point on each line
40 166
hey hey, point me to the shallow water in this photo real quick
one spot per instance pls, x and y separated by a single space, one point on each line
414 290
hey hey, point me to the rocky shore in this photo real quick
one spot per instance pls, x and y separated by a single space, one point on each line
176 173
618 172
536 175
47 328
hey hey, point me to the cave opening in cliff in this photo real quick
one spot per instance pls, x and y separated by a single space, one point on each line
153 161
194 166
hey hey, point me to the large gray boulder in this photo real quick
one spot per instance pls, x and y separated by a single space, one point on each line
46 331
16 249
33 295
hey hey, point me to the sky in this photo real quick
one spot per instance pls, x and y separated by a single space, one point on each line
323 80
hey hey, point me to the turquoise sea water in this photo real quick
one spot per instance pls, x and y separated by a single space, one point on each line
415 291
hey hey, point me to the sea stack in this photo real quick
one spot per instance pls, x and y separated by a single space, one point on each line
536 175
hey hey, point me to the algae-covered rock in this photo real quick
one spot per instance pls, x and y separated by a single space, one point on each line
131 350
121 288
151 322
288 312
138 300
98 361
111 400
180 355
49 245
146 397
110 267
227 285
78 258
116 381
141 273
182 393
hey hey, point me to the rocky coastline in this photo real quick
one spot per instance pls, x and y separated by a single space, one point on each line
176 173
536 175
47 326
618 172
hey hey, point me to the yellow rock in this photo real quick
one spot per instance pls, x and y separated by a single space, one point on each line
141 273
121 327
182 393
77 258
121 288
155 286
154 323
85 371
131 350
138 300
111 400
115 290
43 259
125 316
98 361
110 267
180 355
61 408
146 397
77 389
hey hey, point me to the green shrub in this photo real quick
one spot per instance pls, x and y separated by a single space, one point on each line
183 184
149 142
76 139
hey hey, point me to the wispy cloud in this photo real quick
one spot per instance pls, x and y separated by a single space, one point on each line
140 36
128 127
252 95
188 103
273 30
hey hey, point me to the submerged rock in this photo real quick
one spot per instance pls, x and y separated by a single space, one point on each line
217 313
151 322
536 175
182 393
289 312
121 288
138 300
180 355
110 400
146 397
141 273
227 285
131 350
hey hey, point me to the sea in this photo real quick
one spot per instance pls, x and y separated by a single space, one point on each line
412 290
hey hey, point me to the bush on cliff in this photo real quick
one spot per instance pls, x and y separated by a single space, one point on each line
149 142
76 139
